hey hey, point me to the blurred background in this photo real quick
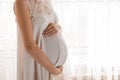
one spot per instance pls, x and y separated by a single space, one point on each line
91 31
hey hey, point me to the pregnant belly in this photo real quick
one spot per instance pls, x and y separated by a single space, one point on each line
56 49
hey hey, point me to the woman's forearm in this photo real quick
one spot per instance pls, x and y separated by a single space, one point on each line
41 58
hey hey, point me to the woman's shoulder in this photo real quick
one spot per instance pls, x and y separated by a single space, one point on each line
17 2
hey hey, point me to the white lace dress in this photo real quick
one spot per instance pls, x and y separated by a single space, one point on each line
54 47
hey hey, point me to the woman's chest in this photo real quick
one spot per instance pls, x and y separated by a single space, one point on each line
42 9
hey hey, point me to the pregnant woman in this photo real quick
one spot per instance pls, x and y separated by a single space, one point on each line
41 51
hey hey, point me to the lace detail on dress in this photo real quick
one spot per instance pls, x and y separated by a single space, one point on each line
31 5
41 8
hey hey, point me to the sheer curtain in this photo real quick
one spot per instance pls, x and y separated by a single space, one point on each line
7 41
90 29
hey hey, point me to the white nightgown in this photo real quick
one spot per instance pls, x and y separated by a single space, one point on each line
41 13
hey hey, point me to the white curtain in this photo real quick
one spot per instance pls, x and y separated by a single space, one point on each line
91 31
7 41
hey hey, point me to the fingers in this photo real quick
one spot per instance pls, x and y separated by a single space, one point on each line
58 66
51 30
50 26
59 70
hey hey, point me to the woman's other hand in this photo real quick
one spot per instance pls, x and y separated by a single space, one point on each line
52 29
59 70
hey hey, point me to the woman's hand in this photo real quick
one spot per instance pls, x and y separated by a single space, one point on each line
52 29
59 70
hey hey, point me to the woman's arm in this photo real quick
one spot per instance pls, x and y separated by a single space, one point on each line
25 26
